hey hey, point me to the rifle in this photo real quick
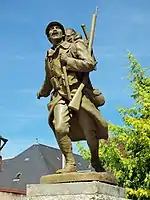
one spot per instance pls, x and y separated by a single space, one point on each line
76 100
87 38
85 32
66 82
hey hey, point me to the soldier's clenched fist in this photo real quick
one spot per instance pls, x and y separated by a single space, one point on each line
63 59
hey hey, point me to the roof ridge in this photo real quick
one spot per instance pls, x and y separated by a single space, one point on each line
44 145
40 151
47 165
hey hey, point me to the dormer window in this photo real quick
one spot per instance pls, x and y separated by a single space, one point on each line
17 177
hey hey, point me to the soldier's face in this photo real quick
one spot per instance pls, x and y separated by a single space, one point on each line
55 33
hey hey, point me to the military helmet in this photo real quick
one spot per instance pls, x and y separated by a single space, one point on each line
54 24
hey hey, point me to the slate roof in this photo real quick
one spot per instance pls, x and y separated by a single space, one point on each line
31 164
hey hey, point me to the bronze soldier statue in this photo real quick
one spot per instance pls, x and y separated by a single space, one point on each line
65 65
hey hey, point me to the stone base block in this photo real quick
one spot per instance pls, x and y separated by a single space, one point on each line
75 191
105 177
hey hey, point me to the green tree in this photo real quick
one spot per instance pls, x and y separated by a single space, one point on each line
127 152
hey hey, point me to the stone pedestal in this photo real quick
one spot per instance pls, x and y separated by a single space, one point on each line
76 186
75 191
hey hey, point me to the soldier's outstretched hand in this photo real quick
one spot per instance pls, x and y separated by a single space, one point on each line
38 95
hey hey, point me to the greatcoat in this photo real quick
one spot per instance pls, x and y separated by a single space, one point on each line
79 62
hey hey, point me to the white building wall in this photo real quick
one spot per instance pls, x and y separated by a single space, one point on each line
11 196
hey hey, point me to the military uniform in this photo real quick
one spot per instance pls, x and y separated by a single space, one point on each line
75 67
68 125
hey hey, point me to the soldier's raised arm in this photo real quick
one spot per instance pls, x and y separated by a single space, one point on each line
47 86
81 60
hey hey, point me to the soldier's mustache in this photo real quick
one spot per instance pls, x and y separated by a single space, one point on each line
55 33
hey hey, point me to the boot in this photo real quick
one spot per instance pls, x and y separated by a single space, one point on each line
97 165
68 168
66 148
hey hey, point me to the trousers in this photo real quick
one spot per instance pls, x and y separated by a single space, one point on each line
61 122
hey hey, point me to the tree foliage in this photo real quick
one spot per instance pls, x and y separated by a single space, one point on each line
127 152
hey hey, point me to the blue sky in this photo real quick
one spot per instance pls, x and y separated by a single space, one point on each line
121 25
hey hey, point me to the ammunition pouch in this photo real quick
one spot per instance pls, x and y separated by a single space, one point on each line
99 99
95 96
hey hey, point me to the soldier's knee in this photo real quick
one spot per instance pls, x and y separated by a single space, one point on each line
61 129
